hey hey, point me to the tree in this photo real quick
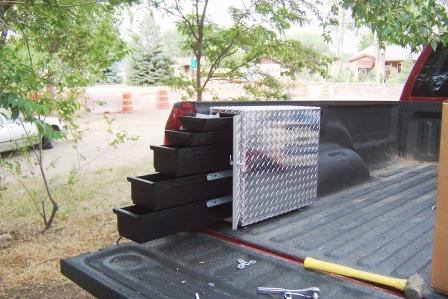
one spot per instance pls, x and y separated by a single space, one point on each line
148 33
312 40
401 77
171 41
406 23
48 50
149 66
110 75
366 40
256 32
145 33
258 26
150 61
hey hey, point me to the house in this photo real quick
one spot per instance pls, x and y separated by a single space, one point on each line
266 65
363 62
270 66
182 66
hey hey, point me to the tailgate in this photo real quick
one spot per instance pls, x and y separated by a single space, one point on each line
182 265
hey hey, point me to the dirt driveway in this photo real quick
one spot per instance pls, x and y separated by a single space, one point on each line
147 124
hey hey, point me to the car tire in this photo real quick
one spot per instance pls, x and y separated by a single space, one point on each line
46 143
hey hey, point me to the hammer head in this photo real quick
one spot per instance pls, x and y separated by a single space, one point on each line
414 287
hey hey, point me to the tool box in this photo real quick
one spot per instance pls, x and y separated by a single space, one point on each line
203 123
192 186
161 191
187 138
183 161
142 225
275 151
275 159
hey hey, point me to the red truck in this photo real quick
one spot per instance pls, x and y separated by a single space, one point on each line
376 188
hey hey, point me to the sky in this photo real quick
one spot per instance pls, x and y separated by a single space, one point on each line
218 11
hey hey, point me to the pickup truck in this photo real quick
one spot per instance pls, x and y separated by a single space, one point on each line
376 188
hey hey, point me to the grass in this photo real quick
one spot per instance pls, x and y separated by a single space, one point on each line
85 222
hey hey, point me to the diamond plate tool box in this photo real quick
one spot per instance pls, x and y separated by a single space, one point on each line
275 158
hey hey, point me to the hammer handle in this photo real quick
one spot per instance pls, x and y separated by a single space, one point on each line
396 283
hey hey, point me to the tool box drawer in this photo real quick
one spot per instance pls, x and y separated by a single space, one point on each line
142 225
183 161
160 191
194 123
185 138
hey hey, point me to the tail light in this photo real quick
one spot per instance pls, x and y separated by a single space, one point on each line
179 109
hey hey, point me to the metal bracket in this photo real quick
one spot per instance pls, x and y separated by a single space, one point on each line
219 201
219 175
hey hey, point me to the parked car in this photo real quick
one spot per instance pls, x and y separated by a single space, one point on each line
14 133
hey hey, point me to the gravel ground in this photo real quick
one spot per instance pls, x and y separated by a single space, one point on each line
147 124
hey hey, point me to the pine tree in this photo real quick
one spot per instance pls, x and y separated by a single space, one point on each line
110 75
149 67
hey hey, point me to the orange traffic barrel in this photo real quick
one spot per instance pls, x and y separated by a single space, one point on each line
162 99
35 96
127 102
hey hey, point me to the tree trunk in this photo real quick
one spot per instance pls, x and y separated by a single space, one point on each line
199 44
54 204
340 32
198 79
379 60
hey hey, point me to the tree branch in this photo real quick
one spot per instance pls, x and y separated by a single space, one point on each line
196 5
44 213
224 54
4 31
203 14
216 63
33 200
183 17
225 51
49 4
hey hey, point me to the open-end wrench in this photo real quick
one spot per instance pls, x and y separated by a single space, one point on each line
308 293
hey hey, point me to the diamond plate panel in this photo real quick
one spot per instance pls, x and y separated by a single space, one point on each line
275 156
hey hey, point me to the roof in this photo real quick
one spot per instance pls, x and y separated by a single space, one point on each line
392 53
182 60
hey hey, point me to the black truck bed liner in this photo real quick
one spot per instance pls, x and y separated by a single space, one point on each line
384 226
184 264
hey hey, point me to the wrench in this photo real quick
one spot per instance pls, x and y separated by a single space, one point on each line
308 293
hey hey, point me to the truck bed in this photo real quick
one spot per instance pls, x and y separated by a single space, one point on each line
383 225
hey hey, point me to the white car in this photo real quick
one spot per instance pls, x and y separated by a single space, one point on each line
14 133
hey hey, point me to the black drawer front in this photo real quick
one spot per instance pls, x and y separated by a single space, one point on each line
184 138
141 225
160 191
192 123
178 161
